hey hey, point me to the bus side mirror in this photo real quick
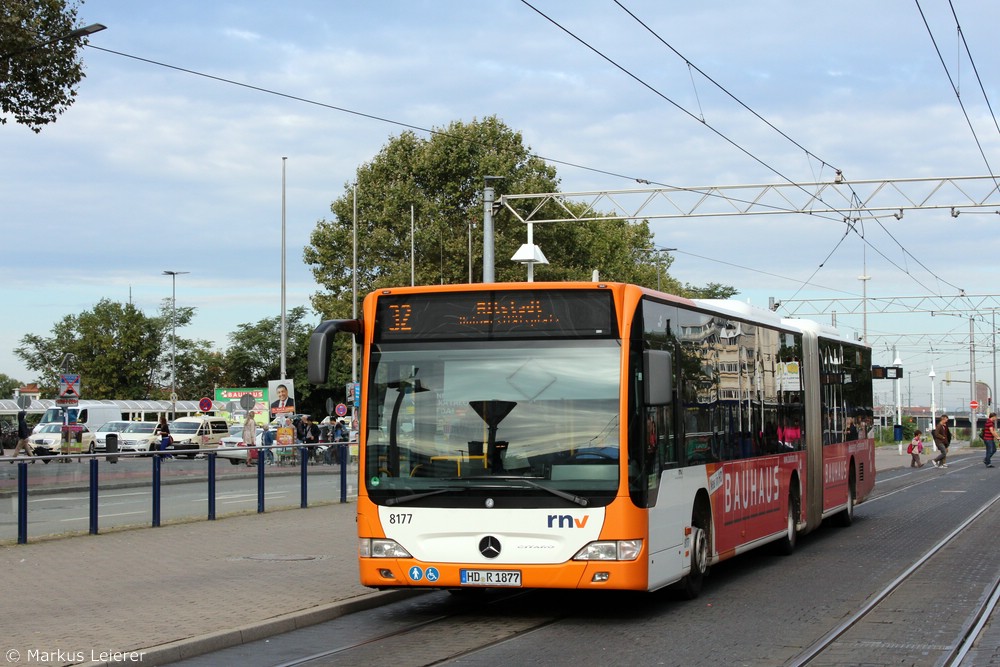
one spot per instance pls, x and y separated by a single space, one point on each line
321 342
657 376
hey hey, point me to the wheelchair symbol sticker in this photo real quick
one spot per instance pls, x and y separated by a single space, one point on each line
432 574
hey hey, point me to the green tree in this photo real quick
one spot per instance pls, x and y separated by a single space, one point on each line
200 369
8 385
254 354
441 180
116 349
40 65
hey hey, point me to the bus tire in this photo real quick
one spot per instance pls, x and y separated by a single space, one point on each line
846 516
690 586
786 545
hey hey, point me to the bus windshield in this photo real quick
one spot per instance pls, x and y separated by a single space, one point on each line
534 415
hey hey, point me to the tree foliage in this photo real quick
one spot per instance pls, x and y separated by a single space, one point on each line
123 354
115 347
8 385
40 65
254 354
441 181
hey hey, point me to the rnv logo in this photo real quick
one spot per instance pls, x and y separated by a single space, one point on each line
567 521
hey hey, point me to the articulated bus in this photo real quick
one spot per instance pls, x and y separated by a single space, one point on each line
594 435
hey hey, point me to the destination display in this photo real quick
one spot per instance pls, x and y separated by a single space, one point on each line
496 314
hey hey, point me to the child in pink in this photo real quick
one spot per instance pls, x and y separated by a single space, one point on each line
915 449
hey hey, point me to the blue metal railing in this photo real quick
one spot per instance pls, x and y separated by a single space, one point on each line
156 457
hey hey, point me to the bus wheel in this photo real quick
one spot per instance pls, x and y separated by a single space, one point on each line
690 585
846 516
786 545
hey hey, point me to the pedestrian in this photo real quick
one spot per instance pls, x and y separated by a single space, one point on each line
250 438
915 449
165 439
310 435
267 440
23 433
340 431
942 438
990 438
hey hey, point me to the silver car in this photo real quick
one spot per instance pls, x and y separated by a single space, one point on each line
101 434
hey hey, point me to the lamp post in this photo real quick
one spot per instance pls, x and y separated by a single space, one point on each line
284 330
933 407
173 336
488 240
898 427
470 250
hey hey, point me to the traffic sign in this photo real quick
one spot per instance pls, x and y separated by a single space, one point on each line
973 405
247 401
341 410
24 402
69 385
205 404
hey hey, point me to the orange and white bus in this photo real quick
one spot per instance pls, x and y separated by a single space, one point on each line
594 435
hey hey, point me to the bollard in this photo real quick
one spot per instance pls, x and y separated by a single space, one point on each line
156 490
260 480
93 495
343 447
211 486
305 470
22 502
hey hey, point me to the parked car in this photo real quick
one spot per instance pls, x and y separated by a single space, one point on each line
235 439
191 434
140 437
101 434
48 440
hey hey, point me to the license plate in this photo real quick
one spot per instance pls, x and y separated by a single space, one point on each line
490 577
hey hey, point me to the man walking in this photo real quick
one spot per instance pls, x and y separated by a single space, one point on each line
942 438
23 433
990 438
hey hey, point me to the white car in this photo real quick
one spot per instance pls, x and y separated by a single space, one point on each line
140 437
101 434
233 442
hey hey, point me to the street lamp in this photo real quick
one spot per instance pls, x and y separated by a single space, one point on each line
173 335
85 31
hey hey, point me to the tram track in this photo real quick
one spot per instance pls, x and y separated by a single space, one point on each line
963 630
936 606
470 625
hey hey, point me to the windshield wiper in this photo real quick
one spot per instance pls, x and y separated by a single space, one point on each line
399 500
573 498
582 502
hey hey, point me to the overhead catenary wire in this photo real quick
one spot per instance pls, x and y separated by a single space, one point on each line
809 153
975 69
433 131
955 89
739 147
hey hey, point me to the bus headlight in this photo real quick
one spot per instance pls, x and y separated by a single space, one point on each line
381 548
610 550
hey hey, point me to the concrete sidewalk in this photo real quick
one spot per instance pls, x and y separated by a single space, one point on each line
181 589
186 589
